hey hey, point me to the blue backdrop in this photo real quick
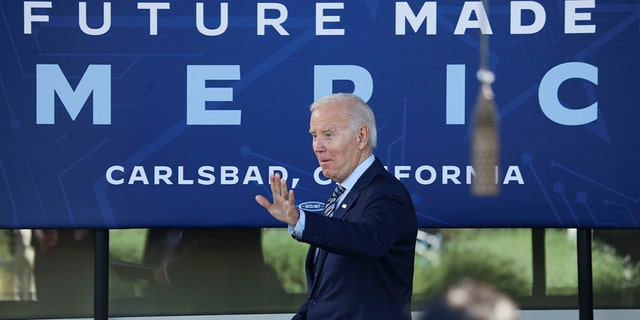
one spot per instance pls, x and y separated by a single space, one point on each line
142 114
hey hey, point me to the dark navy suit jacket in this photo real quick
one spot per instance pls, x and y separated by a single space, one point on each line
366 265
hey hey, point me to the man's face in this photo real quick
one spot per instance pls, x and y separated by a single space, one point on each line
335 146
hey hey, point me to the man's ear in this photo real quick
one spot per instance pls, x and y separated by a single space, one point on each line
363 136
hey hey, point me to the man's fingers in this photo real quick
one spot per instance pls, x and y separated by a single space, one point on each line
261 200
283 188
292 197
283 198
278 187
274 185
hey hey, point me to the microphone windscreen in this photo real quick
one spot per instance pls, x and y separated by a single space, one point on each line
485 146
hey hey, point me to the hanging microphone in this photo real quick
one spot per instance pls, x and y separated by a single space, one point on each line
485 145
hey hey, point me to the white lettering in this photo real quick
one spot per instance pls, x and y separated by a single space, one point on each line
455 94
572 16
319 180
275 23
450 173
253 174
400 172
321 19
513 174
162 173
206 175
138 175
551 105
106 19
472 15
198 94
404 13
29 17
540 16
224 20
181 178
233 175
229 175
50 81
153 8
110 172
432 175
465 22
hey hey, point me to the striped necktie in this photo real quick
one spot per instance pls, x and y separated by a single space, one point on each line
330 206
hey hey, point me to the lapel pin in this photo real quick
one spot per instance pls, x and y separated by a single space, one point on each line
344 206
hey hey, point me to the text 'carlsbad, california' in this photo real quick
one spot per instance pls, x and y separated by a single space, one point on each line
230 175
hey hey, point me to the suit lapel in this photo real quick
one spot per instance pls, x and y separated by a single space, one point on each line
353 194
322 255
311 257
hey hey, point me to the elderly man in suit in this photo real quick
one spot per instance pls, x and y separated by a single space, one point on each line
361 255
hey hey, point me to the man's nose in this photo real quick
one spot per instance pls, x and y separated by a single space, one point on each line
318 145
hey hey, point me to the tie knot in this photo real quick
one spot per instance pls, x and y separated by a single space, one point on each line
339 190
330 206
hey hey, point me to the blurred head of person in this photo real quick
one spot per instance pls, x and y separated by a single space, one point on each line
471 300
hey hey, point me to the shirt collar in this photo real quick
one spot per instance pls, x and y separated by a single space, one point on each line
357 173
